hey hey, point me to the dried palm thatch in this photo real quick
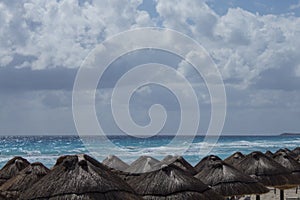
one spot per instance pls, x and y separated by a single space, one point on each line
267 171
115 162
80 177
170 183
227 180
296 151
179 161
12 188
12 167
142 164
288 162
287 151
269 154
201 164
234 158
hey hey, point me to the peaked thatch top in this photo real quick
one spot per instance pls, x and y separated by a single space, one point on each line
227 180
12 188
287 161
201 164
266 170
287 151
142 164
269 154
170 182
296 151
234 158
80 177
115 162
12 167
179 161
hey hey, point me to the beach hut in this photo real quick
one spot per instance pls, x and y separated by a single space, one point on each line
179 161
267 171
12 167
115 162
18 184
171 183
80 177
227 180
234 158
142 164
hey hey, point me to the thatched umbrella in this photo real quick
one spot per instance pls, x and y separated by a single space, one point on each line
12 167
18 184
269 154
142 164
227 180
115 162
296 151
179 161
234 158
267 171
287 151
80 177
288 162
170 183
201 164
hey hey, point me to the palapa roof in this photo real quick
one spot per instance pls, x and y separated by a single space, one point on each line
288 162
269 154
80 177
12 167
170 183
12 188
227 180
115 162
201 164
286 150
142 164
234 158
266 170
179 161
296 151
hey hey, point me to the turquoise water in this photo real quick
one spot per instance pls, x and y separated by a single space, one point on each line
47 149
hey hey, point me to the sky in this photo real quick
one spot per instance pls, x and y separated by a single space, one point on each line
255 45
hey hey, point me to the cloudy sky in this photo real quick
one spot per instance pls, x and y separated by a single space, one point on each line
255 45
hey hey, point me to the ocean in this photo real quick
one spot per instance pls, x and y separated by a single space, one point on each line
47 149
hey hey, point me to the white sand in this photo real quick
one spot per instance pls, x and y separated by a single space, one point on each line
288 195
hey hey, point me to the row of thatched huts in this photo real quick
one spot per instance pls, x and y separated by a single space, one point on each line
82 177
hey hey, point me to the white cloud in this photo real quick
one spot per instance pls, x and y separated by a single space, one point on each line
62 33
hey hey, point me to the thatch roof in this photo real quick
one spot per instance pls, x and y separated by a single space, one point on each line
296 151
12 167
227 180
179 161
269 154
288 162
18 184
286 150
234 158
266 170
80 177
142 164
115 162
170 183
201 164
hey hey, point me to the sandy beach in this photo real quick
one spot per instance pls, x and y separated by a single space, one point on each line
289 194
